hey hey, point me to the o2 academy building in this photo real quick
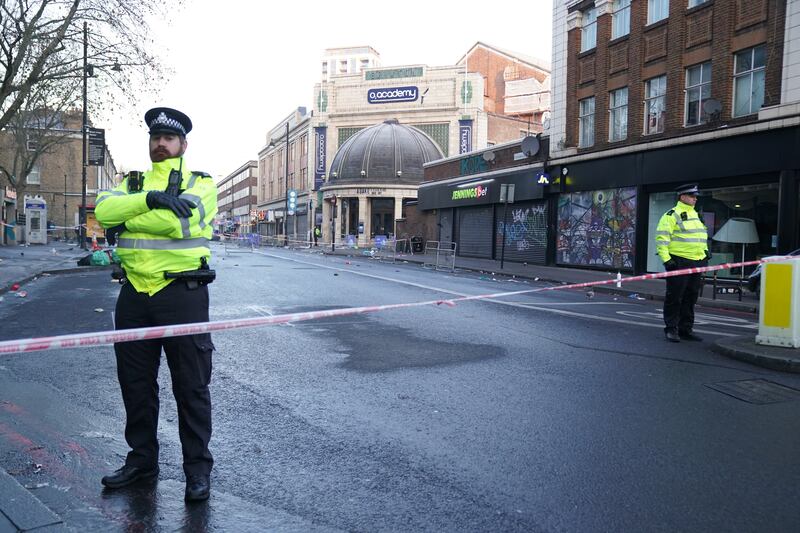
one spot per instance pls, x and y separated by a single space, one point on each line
375 129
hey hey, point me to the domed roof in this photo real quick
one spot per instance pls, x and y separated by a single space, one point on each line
388 152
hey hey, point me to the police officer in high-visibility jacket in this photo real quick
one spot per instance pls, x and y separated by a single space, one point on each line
682 242
161 222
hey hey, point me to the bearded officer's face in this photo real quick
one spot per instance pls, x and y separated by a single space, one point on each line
165 146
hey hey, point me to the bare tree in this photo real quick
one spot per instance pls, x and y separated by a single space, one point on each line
41 47
47 118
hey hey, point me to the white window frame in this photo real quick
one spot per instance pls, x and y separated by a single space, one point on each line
620 18
657 10
752 73
588 29
702 118
655 96
586 122
618 110
35 172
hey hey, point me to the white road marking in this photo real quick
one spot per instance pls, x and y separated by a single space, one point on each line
510 304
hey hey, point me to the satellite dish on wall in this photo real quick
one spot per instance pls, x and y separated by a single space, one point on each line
712 107
488 156
530 146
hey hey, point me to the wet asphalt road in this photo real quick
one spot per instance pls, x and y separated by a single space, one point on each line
535 412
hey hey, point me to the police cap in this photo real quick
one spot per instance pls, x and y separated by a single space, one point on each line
689 188
167 120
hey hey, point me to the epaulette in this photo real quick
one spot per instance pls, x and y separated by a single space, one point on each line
201 174
670 212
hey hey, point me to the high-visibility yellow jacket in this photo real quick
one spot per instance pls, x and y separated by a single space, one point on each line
156 240
680 232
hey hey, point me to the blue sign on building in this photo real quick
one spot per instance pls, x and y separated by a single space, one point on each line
388 95
464 136
320 139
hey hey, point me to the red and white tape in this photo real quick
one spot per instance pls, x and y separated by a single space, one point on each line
102 338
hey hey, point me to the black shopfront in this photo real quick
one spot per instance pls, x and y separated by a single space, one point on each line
608 209
468 211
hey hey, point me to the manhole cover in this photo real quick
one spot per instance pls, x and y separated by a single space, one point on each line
758 391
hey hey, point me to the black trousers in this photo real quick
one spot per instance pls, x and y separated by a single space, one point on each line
682 293
189 360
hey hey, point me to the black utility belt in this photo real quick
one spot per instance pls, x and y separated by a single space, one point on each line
193 278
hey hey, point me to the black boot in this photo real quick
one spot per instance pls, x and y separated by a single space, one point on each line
198 488
689 336
128 475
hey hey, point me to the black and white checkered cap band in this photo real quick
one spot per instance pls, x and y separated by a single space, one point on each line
164 121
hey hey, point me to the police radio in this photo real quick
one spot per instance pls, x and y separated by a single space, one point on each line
174 184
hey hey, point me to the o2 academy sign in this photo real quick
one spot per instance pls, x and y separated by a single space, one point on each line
389 95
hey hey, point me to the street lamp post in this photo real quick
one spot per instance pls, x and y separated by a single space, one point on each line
286 190
82 218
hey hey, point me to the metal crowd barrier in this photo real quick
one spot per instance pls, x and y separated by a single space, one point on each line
440 255
239 243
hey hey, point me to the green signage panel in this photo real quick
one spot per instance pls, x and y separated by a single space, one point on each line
390 74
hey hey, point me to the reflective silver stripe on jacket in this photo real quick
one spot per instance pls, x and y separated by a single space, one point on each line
687 239
110 193
663 233
699 230
162 244
201 209
192 180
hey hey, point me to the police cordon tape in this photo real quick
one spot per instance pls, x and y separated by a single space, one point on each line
102 338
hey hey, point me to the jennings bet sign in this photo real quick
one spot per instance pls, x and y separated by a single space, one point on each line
478 191
390 95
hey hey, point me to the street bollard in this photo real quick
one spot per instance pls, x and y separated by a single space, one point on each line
779 310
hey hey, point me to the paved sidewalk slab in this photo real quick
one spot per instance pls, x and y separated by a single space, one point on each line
21 511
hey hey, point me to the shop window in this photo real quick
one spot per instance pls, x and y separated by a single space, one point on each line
655 91
589 29
586 123
657 10
618 115
698 90
757 202
620 18
748 80
597 228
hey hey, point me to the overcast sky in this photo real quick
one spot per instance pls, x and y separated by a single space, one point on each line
240 66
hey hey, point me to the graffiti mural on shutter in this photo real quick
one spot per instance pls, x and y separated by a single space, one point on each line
597 228
526 232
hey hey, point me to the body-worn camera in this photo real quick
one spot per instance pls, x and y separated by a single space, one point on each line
135 181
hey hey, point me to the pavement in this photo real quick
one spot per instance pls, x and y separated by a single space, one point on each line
21 264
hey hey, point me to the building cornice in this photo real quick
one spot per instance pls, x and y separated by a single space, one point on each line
705 136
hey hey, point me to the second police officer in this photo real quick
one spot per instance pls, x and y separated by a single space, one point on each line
682 242
161 221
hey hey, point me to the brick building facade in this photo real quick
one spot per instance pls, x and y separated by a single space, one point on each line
709 33
236 198
650 94
57 178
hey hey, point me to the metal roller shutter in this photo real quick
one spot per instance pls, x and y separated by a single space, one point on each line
302 227
475 231
526 237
